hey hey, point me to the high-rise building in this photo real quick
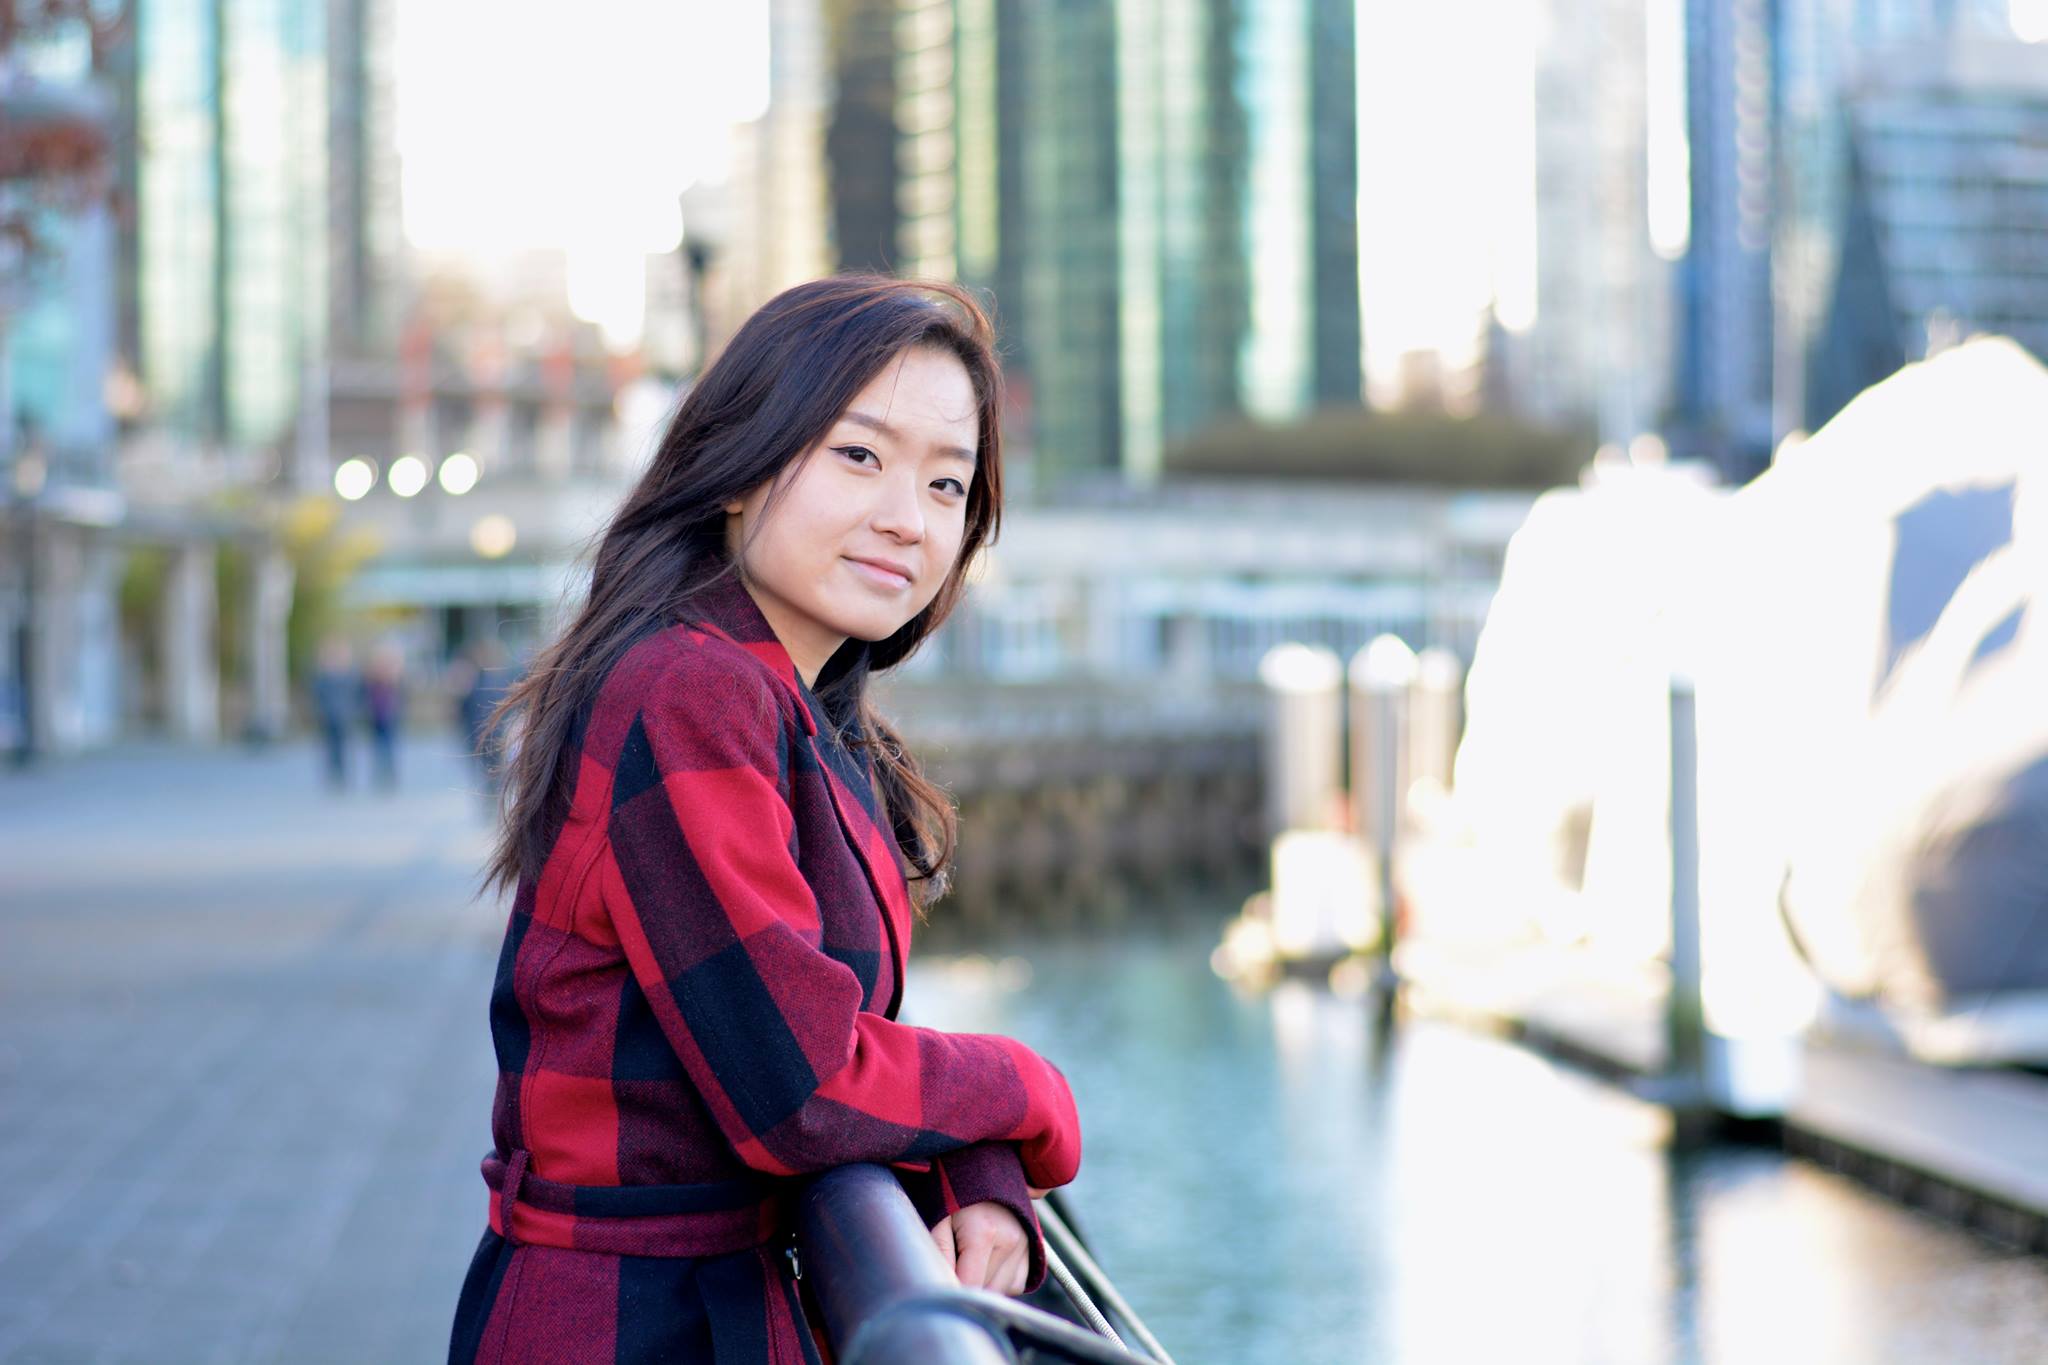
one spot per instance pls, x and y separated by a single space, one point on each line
777 204
1297 84
1824 49
1069 307
1162 198
1945 226
232 219
860 146
1598 353
1184 312
366 270
1724 346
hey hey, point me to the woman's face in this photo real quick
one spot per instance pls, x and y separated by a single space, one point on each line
862 529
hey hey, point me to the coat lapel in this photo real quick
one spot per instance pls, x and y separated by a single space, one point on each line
853 801
728 607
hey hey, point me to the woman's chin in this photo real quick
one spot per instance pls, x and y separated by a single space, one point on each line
875 626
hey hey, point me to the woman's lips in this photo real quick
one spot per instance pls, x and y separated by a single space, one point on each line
880 574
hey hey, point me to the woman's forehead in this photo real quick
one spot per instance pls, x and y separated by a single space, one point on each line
921 395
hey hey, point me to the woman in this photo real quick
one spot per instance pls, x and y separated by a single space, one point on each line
711 835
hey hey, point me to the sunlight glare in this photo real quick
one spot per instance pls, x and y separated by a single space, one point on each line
517 131
2029 19
1446 175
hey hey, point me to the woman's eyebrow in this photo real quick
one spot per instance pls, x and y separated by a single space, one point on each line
878 425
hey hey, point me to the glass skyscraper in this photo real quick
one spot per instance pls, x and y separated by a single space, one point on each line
1162 198
1724 346
1945 225
1824 50
267 231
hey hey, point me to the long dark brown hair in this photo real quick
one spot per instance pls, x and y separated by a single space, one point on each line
782 381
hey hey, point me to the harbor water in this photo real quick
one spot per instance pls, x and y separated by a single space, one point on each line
1268 1182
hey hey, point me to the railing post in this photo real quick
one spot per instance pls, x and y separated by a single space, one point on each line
1685 1029
1381 675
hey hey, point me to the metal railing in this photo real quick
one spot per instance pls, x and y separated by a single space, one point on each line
887 1295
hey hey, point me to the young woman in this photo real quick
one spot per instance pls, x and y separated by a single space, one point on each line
711 834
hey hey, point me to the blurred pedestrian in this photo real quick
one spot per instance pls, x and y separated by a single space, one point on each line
384 709
486 678
337 696
711 831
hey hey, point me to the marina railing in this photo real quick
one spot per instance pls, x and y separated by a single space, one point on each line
888 1297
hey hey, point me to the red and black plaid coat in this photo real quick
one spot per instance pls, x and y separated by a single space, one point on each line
695 1003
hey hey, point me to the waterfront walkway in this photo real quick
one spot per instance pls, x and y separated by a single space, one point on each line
243 1058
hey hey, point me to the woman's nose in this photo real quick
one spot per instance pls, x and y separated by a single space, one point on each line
897 511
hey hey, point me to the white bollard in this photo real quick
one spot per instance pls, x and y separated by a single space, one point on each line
1381 675
1436 717
1304 736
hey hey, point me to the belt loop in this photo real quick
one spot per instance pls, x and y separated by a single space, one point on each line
508 1193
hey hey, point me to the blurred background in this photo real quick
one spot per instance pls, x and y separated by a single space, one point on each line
1500 746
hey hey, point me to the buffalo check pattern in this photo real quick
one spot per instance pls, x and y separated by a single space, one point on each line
695 1002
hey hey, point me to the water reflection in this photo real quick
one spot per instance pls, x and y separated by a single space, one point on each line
1267 1183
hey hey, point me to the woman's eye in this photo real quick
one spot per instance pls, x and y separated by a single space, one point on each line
858 454
953 486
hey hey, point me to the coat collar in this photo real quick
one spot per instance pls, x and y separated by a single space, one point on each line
727 605
730 608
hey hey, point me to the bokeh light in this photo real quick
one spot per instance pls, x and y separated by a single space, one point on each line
459 473
493 536
353 478
408 475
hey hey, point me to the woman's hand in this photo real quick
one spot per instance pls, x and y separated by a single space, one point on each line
986 1246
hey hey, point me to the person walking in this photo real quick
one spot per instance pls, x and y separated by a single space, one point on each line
337 695
384 709
712 837
485 679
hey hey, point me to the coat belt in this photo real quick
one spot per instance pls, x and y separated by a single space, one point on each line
629 1220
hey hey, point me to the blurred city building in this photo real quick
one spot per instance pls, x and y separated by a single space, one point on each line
861 170
1824 49
1723 354
237 409
225 342
1945 228
1769 88
1190 583
59 556
1598 355
167 365
768 226
478 458
1161 199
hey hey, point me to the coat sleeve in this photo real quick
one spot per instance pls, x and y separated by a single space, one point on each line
723 935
